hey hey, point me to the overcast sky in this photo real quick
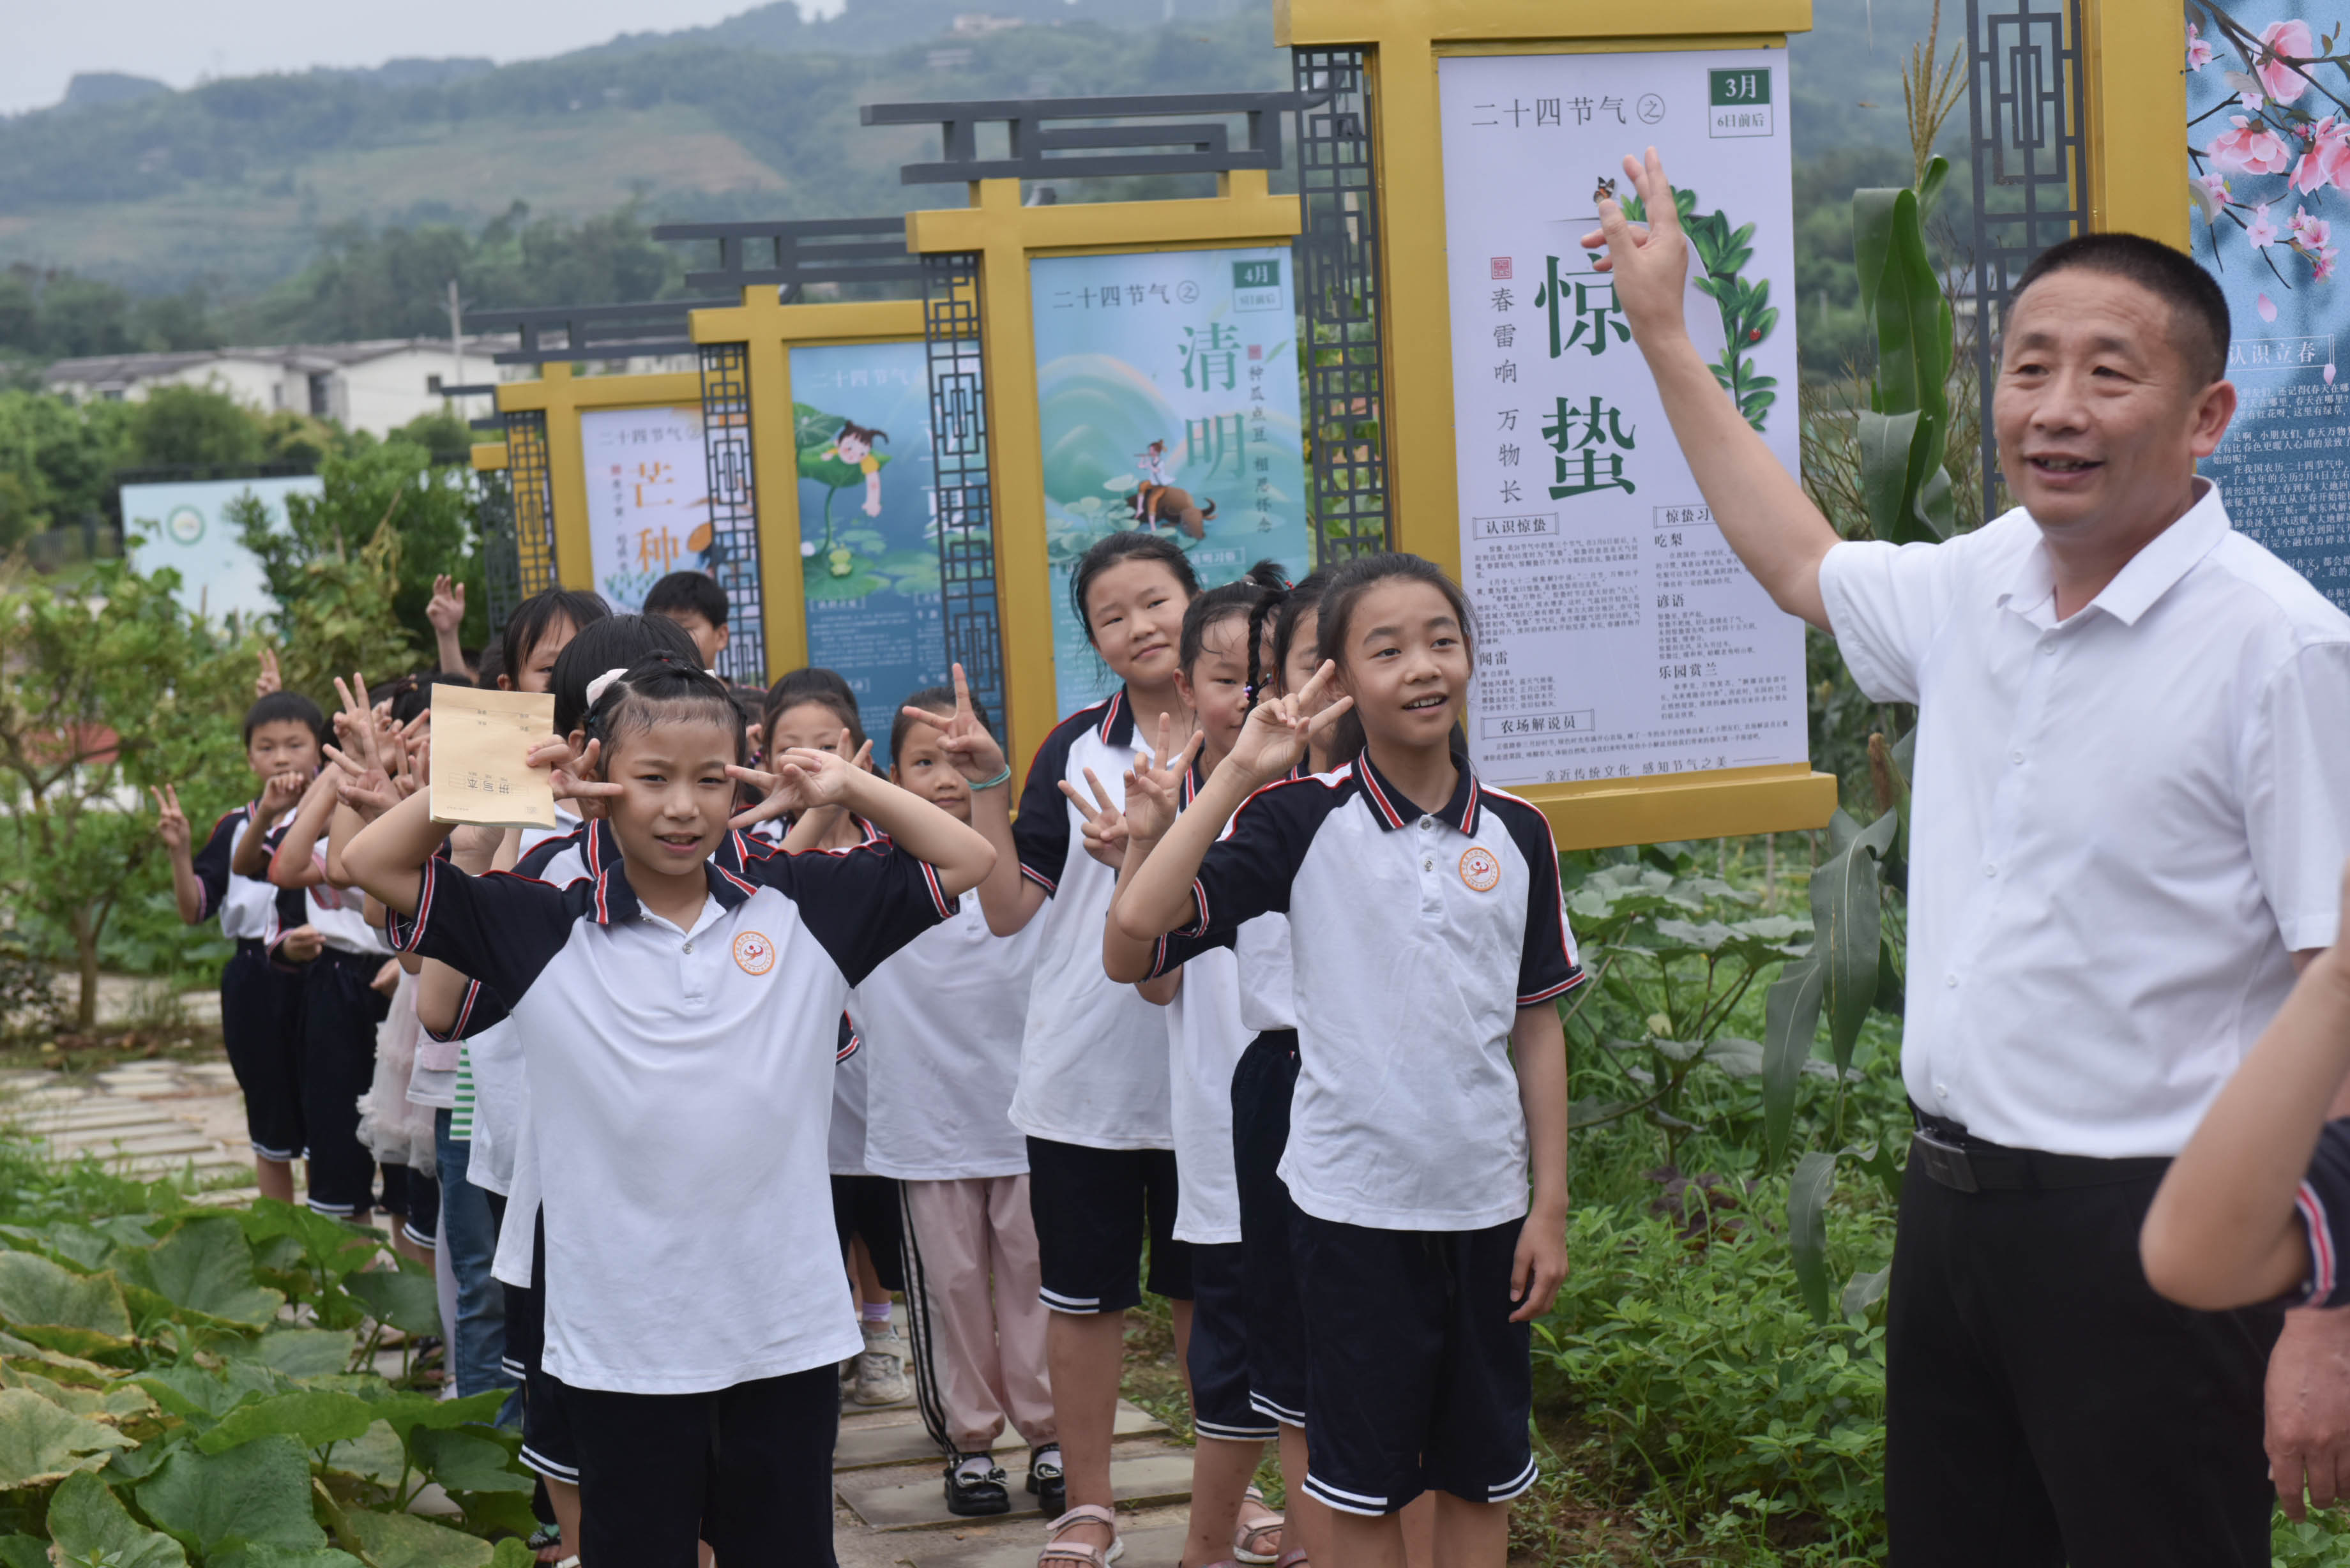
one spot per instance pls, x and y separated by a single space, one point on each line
183 41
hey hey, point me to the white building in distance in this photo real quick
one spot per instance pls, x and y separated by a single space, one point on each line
376 386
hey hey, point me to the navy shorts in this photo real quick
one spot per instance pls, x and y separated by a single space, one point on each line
261 1022
1094 1210
867 1206
1262 1085
415 1199
547 1447
1416 1379
340 1011
1219 1355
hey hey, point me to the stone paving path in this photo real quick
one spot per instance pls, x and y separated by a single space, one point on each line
162 1117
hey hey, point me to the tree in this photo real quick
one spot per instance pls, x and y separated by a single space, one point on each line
337 615
111 688
194 425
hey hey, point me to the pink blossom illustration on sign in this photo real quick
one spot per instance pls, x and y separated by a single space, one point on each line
2199 50
2260 232
2267 307
2282 41
2253 150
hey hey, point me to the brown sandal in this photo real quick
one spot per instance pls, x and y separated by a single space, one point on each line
1082 1555
1248 1539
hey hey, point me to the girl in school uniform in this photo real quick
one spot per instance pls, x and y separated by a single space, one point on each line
1093 1090
1430 942
1201 987
943 1020
815 708
679 1028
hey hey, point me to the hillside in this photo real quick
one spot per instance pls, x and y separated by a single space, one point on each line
232 185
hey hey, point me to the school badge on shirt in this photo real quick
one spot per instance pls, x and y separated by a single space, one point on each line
754 954
1481 868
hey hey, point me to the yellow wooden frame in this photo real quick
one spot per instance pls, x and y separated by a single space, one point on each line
1405 38
770 330
1004 235
563 396
2134 86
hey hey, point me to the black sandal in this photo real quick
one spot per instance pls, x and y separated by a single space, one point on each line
1046 1481
975 1493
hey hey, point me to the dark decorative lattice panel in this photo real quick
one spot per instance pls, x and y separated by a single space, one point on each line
2031 156
963 497
501 571
1338 266
733 554
533 491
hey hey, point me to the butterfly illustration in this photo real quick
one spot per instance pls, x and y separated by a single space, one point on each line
1606 192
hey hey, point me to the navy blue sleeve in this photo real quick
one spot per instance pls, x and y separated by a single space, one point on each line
2323 1203
861 904
480 1009
212 861
1176 949
533 865
1041 832
501 929
1548 965
1247 872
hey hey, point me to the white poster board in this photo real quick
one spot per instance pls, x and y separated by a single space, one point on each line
648 498
1619 636
185 525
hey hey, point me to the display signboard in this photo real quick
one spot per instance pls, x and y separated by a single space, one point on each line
2271 171
867 520
186 525
1167 400
1619 637
648 489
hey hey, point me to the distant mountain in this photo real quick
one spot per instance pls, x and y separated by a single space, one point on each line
95 89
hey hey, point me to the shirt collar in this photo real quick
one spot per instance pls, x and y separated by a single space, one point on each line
616 901
1390 809
2153 572
1115 726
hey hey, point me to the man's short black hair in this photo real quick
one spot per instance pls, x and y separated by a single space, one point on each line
2198 311
682 593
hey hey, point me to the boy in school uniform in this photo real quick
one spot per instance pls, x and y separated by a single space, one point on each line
696 602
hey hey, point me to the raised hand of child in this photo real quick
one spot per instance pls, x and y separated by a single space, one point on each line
446 609
1279 729
302 944
964 739
570 774
1104 828
804 779
170 822
355 722
370 790
1154 785
281 795
268 679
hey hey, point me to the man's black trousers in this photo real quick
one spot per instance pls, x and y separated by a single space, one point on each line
2045 1407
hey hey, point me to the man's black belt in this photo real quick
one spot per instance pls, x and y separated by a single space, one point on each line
1964 1163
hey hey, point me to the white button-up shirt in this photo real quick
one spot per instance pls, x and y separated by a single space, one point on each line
2124 823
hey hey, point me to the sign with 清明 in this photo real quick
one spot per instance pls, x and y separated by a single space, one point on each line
648 498
1167 399
1619 637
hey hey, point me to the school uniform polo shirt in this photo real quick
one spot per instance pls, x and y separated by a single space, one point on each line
2124 823
1093 1059
942 1018
1416 936
680 1085
247 906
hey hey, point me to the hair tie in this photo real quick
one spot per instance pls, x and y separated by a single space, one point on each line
601 684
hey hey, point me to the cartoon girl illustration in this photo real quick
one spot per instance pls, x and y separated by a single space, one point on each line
854 446
1154 480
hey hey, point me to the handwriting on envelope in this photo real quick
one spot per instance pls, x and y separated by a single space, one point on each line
480 746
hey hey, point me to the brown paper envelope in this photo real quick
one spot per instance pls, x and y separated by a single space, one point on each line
481 743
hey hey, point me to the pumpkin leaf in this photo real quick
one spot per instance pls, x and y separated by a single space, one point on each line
87 1523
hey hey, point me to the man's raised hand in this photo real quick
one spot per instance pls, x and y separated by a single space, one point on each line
1650 261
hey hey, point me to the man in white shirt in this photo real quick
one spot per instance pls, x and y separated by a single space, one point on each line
2133 802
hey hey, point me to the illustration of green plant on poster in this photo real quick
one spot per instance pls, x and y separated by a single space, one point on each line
1167 399
869 538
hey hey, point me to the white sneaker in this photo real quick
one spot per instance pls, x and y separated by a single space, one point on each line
881 1369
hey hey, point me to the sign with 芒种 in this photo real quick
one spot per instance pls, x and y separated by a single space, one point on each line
869 523
1167 399
1619 637
2270 164
648 498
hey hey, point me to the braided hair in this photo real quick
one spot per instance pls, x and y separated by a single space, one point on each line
1245 595
661 688
1301 601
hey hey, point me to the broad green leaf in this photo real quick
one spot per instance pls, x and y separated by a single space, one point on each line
206 1266
87 1521
1738 1058
406 1300
112 1405
376 1455
1861 1291
31 1552
1872 240
194 1393
1845 913
1885 442
300 1353
1937 170
511 1554
316 1416
331 1247
406 1412
257 1492
1890 984
1937 506
1791 1016
405 1540
40 1443
256 1555
49 1305
1807 1228
1878 1161
465 1461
